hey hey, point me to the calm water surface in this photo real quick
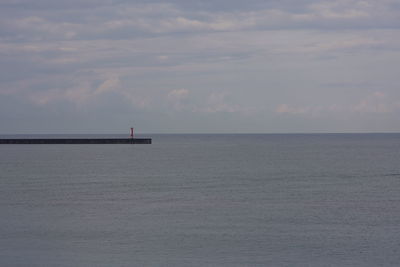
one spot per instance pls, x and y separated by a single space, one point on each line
203 200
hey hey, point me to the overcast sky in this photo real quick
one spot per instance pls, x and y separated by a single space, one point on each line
190 66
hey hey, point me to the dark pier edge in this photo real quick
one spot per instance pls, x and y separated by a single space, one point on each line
77 141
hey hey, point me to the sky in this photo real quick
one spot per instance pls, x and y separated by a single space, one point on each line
186 66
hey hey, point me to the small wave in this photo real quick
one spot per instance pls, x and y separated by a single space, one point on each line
391 174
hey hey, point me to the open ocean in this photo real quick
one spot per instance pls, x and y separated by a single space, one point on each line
203 200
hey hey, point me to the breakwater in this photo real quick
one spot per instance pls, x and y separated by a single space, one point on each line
76 141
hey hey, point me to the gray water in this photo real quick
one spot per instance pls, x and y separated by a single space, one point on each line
203 200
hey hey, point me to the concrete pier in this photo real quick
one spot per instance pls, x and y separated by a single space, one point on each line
76 141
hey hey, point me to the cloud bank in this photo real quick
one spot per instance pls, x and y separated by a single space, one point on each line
219 66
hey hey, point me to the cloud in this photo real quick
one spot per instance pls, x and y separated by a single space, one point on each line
80 92
287 109
217 102
377 102
78 95
109 85
178 94
125 20
177 98
342 9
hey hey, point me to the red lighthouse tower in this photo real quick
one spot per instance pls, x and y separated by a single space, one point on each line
132 133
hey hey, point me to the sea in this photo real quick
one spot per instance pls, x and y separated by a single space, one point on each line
203 200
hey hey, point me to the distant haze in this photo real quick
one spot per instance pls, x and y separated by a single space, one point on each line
185 66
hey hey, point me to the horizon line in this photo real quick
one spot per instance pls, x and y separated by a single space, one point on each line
201 133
